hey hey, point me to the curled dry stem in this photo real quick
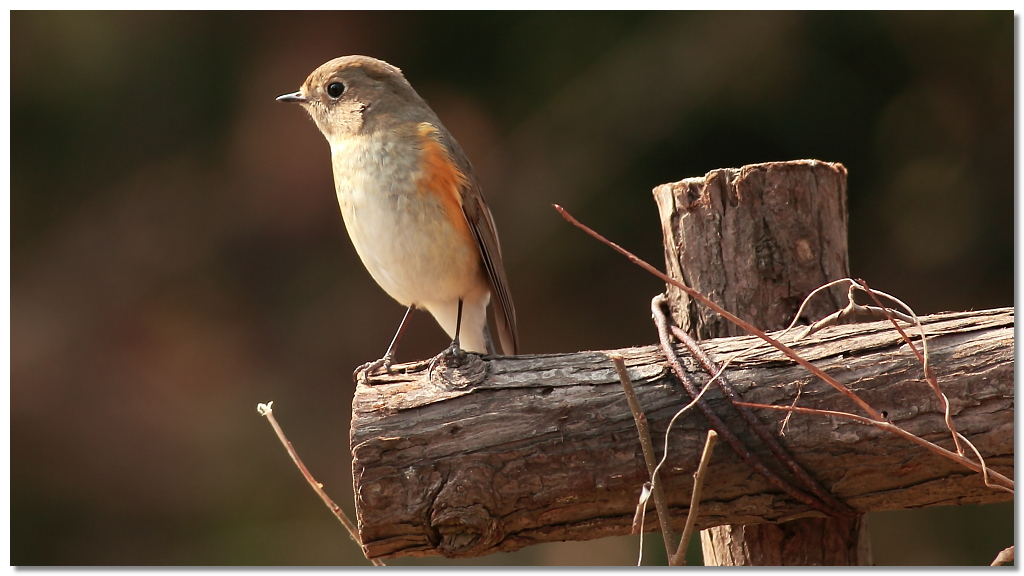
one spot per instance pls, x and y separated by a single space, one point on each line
922 357
638 519
852 310
638 516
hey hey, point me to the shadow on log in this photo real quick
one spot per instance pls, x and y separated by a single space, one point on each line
508 452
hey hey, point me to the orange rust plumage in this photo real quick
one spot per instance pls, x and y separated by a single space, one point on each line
442 177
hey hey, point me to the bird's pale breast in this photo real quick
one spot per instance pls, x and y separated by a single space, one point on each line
407 236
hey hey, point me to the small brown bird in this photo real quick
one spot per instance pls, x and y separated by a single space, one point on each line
411 202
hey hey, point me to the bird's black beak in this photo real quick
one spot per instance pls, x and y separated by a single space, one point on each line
293 97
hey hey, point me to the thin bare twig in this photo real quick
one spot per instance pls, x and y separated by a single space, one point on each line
726 314
785 421
1004 556
267 410
660 503
1006 483
664 456
679 558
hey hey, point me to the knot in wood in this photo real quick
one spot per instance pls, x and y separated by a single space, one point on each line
466 531
470 371
460 513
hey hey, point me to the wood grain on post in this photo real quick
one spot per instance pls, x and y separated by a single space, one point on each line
512 451
757 240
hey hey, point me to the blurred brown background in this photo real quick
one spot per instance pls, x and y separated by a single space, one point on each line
178 256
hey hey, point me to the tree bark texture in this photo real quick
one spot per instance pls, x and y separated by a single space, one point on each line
506 452
804 542
757 240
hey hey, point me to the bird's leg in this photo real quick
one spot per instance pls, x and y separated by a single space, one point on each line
453 354
454 349
389 356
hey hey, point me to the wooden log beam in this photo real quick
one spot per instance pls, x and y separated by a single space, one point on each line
508 452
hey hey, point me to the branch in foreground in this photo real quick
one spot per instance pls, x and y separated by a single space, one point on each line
509 452
648 448
267 410
679 558
1004 556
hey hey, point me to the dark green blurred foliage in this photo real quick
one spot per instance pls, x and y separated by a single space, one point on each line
177 253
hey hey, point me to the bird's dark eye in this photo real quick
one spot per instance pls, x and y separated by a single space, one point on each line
334 89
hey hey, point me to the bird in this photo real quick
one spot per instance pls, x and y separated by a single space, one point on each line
411 203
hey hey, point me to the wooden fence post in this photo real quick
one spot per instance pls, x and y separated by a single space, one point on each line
757 240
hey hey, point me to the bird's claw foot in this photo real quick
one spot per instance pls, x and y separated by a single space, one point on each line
381 365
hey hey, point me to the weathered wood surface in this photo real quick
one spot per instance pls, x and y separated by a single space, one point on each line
510 452
803 542
757 240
